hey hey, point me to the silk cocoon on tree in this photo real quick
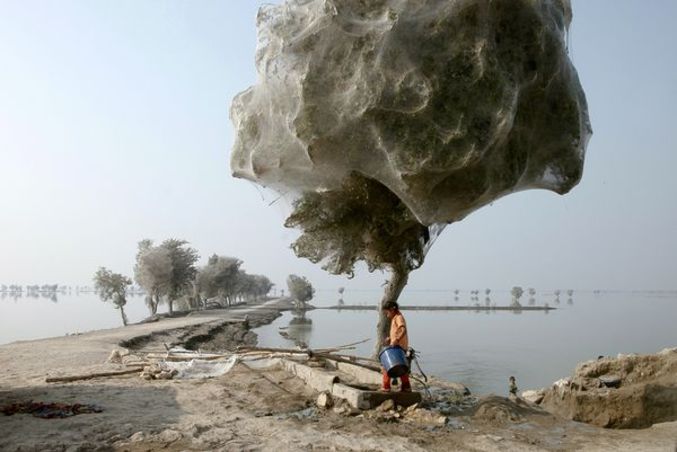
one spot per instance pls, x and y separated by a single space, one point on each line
450 104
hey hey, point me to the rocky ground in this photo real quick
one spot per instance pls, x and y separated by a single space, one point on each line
250 409
629 391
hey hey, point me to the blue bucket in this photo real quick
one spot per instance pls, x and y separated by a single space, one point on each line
394 361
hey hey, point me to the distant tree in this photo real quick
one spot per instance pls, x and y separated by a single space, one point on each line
300 289
183 270
340 300
112 287
262 286
219 277
516 293
153 272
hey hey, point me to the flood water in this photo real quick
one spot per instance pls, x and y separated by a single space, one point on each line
482 349
26 317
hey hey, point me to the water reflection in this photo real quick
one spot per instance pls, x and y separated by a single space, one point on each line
16 296
299 330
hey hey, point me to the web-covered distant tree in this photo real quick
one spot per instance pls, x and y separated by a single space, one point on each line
361 221
183 259
300 289
112 287
219 277
153 272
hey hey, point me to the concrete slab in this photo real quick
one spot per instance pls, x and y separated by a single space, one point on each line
326 380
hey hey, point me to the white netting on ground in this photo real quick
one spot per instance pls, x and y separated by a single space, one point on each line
449 104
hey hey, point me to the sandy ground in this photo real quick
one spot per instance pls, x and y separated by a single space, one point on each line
248 409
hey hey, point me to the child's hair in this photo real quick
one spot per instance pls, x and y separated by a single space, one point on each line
391 305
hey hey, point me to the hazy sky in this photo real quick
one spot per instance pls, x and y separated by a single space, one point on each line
114 127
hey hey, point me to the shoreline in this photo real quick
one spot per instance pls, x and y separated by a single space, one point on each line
442 308
249 409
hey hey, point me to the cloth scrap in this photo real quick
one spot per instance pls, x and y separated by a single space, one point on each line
49 410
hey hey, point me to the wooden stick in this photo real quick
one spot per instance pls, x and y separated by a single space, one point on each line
347 361
276 350
274 383
358 358
94 375
351 344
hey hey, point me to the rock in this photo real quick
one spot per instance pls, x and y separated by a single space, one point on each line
411 408
117 355
611 381
387 405
324 400
137 437
534 396
340 409
629 391
166 374
169 436
495 438
441 420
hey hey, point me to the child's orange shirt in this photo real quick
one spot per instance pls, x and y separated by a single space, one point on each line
398 331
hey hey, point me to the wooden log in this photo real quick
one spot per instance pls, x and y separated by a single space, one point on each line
93 375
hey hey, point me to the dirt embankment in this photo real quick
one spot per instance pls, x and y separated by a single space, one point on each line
630 391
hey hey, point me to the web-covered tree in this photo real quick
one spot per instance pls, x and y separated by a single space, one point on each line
112 287
361 221
153 272
183 259
219 277
300 289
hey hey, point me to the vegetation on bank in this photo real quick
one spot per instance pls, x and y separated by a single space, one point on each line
168 274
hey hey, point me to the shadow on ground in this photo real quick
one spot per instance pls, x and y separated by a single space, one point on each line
126 410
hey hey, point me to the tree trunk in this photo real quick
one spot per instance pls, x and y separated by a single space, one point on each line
156 302
398 279
170 302
124 316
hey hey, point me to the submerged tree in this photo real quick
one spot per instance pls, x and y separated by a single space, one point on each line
300 289
112 287
361 221
516 293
